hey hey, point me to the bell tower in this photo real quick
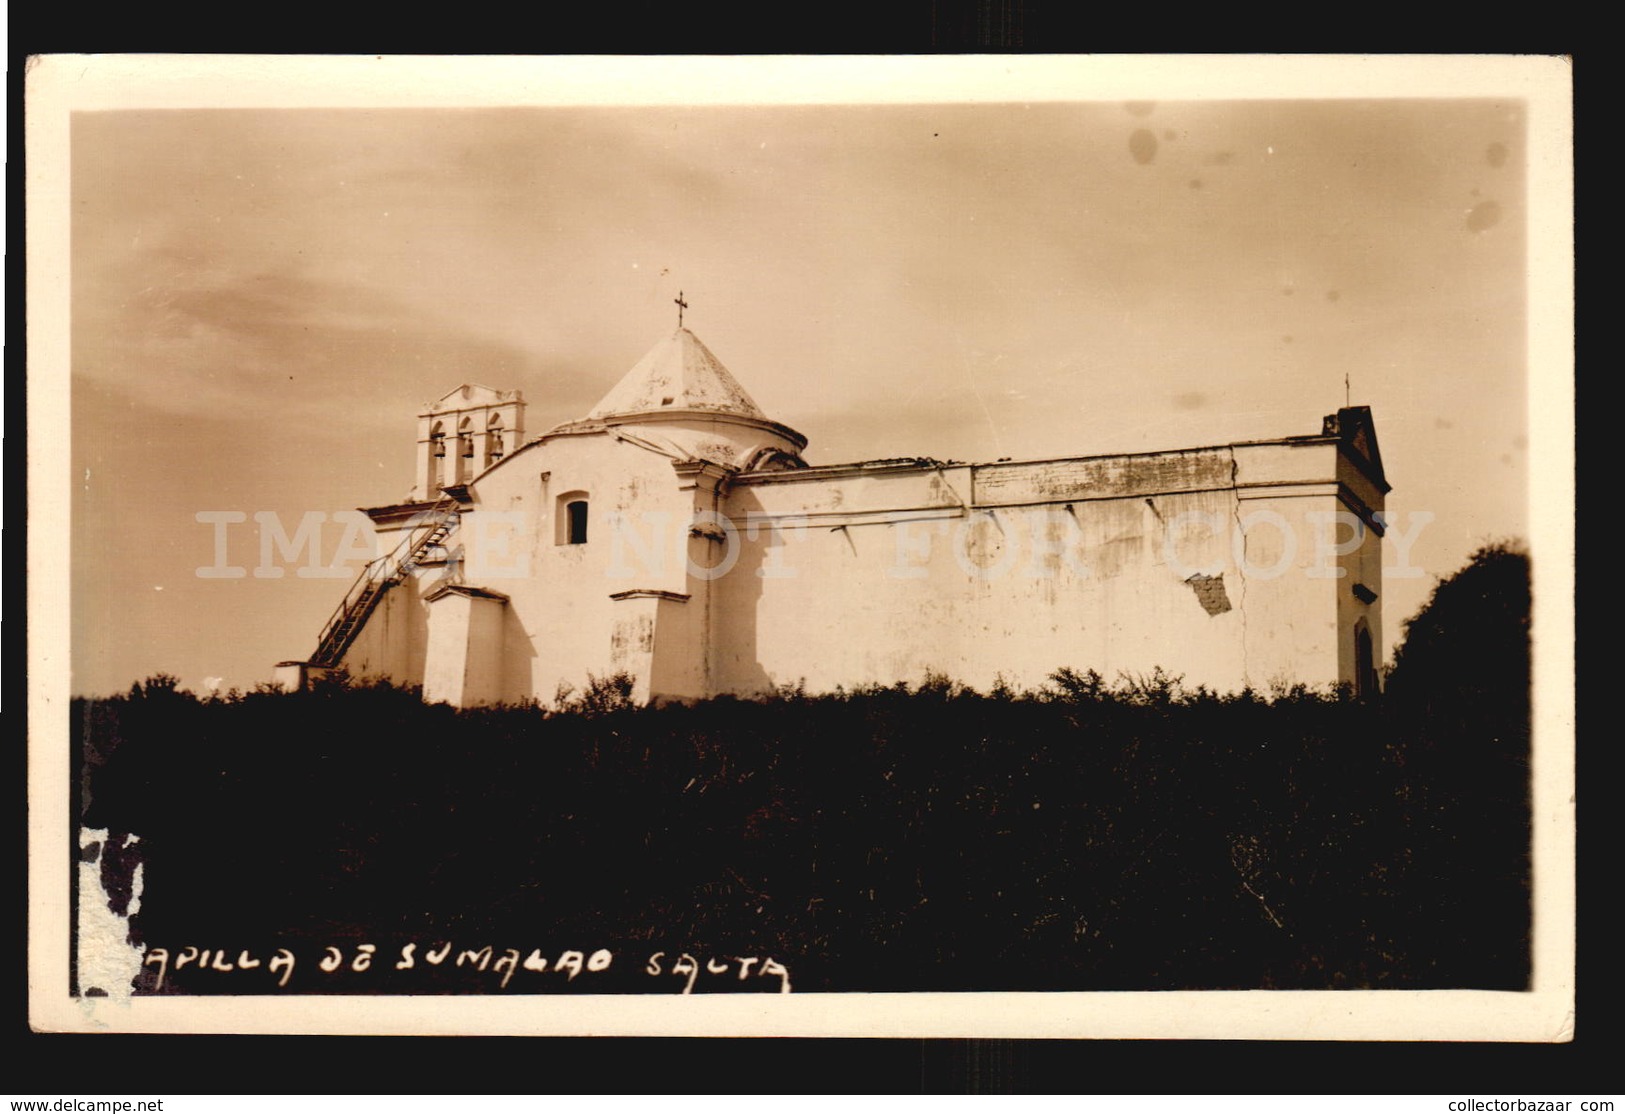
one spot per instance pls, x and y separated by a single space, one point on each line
463 433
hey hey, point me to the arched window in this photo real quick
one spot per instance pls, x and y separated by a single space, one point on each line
1365 666
493 440
570 518
437 458
465 434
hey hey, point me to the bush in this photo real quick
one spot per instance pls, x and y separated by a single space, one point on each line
602 695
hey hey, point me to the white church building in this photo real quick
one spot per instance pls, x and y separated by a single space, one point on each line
676 534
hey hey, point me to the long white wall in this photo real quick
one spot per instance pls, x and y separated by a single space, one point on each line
1218 565
1012 571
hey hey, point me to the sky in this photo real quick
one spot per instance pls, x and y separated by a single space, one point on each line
262 299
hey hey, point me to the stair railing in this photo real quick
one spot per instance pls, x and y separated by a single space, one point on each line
380 574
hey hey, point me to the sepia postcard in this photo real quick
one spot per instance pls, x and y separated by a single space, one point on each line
949 546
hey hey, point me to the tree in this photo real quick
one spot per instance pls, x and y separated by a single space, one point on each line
160 686
1459 705
1468 647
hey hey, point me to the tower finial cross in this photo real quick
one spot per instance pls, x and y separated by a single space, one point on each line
681 306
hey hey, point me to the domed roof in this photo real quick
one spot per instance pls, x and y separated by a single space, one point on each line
679 373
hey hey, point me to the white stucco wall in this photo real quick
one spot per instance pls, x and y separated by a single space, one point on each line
392 644
464 664
563 621
1080 563
446 663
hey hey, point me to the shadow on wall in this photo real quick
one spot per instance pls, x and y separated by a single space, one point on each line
736 666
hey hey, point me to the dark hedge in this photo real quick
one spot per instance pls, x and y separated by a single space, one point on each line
1130 836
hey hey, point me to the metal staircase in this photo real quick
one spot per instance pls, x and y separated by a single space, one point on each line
380 575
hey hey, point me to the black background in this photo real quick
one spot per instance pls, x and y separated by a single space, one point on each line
50 1064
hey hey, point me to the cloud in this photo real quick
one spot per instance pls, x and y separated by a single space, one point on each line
199 340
